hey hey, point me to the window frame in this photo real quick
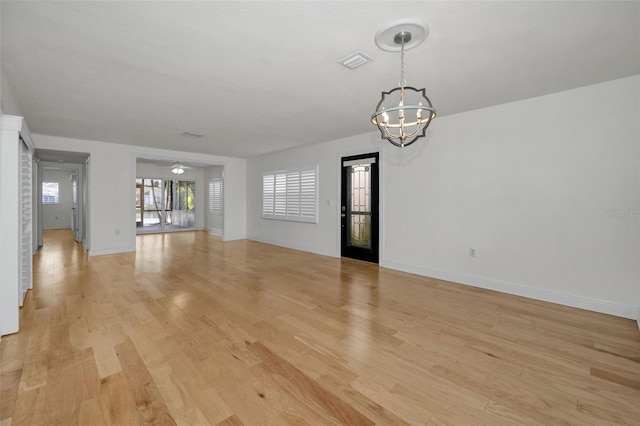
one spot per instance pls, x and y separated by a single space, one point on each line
57 201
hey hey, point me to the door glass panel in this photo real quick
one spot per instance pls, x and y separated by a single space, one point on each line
152 216
139 205
165 205
359 216
168 202
183 213
360 208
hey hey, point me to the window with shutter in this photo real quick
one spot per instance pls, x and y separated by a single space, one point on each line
290 195
215 196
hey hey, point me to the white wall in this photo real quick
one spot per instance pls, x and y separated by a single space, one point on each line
58 216
8 102
536 188
112 189
322 237
546 190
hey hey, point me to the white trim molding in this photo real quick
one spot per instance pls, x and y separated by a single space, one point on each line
117 250
10 223
595 305
233 237
11 122
292 246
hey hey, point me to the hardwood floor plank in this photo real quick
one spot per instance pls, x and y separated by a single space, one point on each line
116 401
184 410
91 413
542 404
149 402
72 378
191 330
312 390
631 380
231 421
30 408
377 413
408 412
9 384
34 374
206 398
39 335
620 416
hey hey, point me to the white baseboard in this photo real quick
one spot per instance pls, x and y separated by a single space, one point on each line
115 250
234 237
292 246
596 305
215 231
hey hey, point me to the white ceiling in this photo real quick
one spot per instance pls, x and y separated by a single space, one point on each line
261 76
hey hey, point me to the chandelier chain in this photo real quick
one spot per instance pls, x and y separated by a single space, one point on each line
402 80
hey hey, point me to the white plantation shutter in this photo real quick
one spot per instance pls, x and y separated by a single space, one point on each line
290 195
268 195
280 204
26 210
308 196
215 196
293 195
211 196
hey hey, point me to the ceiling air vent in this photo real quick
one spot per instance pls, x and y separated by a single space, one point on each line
355 59
192 135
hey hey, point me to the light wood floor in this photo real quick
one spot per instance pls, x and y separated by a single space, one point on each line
193 331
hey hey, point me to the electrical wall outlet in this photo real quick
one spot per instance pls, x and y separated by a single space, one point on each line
472 252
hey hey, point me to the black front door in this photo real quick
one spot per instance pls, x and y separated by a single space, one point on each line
359 209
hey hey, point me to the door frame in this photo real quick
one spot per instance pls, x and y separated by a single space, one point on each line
76 225
83 201
374 255
140 195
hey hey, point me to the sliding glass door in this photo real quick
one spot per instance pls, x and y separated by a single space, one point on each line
164 205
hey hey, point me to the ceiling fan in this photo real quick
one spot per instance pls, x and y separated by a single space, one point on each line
178 168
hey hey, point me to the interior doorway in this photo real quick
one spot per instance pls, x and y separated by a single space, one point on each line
61 194
359 209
